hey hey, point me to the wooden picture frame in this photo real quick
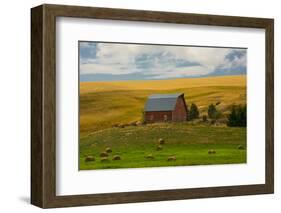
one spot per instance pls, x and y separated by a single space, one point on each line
43 105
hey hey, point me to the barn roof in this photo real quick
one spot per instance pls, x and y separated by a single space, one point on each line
161 102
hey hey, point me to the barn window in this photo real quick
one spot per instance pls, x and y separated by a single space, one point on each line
165 117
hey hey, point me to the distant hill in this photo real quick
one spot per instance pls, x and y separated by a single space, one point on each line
141 76
226 72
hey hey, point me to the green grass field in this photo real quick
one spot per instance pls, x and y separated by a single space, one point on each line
104 104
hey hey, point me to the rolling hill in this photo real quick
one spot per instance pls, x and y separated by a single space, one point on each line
103 104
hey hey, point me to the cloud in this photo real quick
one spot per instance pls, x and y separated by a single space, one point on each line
88 51
234 63
156 61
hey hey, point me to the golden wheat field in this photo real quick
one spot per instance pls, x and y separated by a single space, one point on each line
89 87
103 104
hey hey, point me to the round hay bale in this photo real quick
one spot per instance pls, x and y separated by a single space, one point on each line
149 157
103 154
159 147
108 150
172 158
121 125
116 157
161 141
104 159
133 123
89 158
211 151
139 123
241 147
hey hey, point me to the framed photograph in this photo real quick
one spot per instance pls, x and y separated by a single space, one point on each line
136 106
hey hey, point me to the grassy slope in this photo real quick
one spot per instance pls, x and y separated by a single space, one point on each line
103 104
189 143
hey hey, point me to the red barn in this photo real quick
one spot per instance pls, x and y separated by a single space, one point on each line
165 107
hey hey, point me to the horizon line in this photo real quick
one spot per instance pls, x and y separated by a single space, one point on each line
163 79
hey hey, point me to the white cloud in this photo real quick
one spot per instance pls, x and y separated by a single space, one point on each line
235 62
162 60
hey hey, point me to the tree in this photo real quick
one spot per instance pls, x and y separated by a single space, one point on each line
193 113
212 111
232 117
204 118
242 115
238 116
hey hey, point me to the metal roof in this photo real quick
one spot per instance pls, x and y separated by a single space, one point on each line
161 102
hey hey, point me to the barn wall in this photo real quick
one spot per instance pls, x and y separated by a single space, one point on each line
151 117
180 111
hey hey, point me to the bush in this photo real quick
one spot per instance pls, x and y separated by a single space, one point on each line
213 113
213 121
204 118
143 120
238 116
193 113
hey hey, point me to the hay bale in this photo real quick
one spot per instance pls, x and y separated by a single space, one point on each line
241 147
104 159
159 147
211 151
116 157
161 141
133 123
108 150
121 125
138 123
150 157
89 158
172 158
103 154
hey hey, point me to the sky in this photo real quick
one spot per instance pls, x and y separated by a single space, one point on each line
121 61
